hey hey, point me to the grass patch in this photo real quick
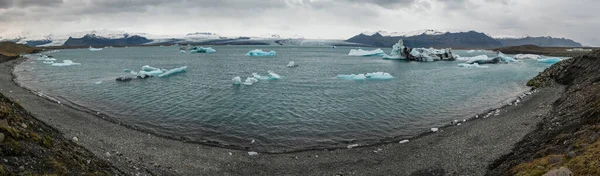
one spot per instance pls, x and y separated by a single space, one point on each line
11 49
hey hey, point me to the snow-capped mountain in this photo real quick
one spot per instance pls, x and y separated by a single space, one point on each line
406 34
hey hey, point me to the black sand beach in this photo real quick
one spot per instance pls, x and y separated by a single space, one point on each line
467 149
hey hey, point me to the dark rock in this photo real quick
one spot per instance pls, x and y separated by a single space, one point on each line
2 137
96 41
123 79
471 39
571 154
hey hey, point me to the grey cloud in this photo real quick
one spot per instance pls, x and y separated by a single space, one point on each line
5 4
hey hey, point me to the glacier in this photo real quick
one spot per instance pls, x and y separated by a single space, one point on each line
259 52
550 60
173 72
361 52
202 50
474 65
65 63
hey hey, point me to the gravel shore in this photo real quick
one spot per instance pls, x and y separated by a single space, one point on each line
466 149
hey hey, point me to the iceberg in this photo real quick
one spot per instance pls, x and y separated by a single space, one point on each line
397 51
368 76
127 70
148 68
65 63
273 75
181 51
173 72
50 59
379 75
259 52
48 62
250 80
550 60
236 80
143 73
429 54
291 64
94 49
257 76
505 58
527 56
471 51
361 52
202 50
474 65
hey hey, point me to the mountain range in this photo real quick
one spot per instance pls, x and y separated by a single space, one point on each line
440 39
421 38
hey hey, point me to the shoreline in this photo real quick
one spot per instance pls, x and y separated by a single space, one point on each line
382 141
269 163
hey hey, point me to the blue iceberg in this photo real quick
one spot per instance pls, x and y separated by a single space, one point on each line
259 52
250 80
505 58
257 76
173 72
273 75
361 52
550 60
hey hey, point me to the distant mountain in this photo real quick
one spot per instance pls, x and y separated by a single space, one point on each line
539 41
98 41
428 38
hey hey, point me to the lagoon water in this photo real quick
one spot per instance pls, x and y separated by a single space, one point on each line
307 108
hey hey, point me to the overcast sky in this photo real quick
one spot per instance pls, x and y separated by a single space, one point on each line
331 19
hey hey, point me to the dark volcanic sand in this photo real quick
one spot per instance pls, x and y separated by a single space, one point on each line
457 150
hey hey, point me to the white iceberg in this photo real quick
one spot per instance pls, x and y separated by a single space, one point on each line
173 72
236 80
94 49
257 76
259 52
48 62
379 75
403 141
550 60
397 51
471 51
202 50
250 80
149 68
50 59
361 52
435 129
527 56
474 65
505 58
65 63
273 75
368 76
181 51
291 64
253 153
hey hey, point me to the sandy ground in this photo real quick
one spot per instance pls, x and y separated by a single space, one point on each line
456 150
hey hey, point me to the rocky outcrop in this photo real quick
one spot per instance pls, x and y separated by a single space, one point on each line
96 41
568 136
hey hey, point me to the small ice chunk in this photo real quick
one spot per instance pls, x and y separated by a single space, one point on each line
403 141
48 62
65 63
173 72
259 52
181 51
434 129
50 59
291 64
236 80
127 70
352 146
98 82
550 60
250 80
257 76
273 75
149 68
474 65
379 75
253 153
471 51
361 52
94 49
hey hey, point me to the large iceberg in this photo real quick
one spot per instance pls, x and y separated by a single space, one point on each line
65 63
398 51
94 49
361 52
484 59
527 56
368 76
173 72
257 76
505 58
550 60
202 50
474 65
259 52
430 54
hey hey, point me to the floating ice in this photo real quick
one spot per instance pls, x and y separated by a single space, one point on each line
397 51
173 72
236 80
369 76
361 52
259 52
250 80
181 51
505 58
430 54
148 68
403 141
273 75
94 49
474 65
434 129
253 153
202 50
50 59
527 56
471 51
352 146
291 64
150 73
48 62
257 76
98 82
481 59
127 70
65 63
550 60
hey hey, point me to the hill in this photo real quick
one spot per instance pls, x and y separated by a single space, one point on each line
471 39
539 41
97 41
